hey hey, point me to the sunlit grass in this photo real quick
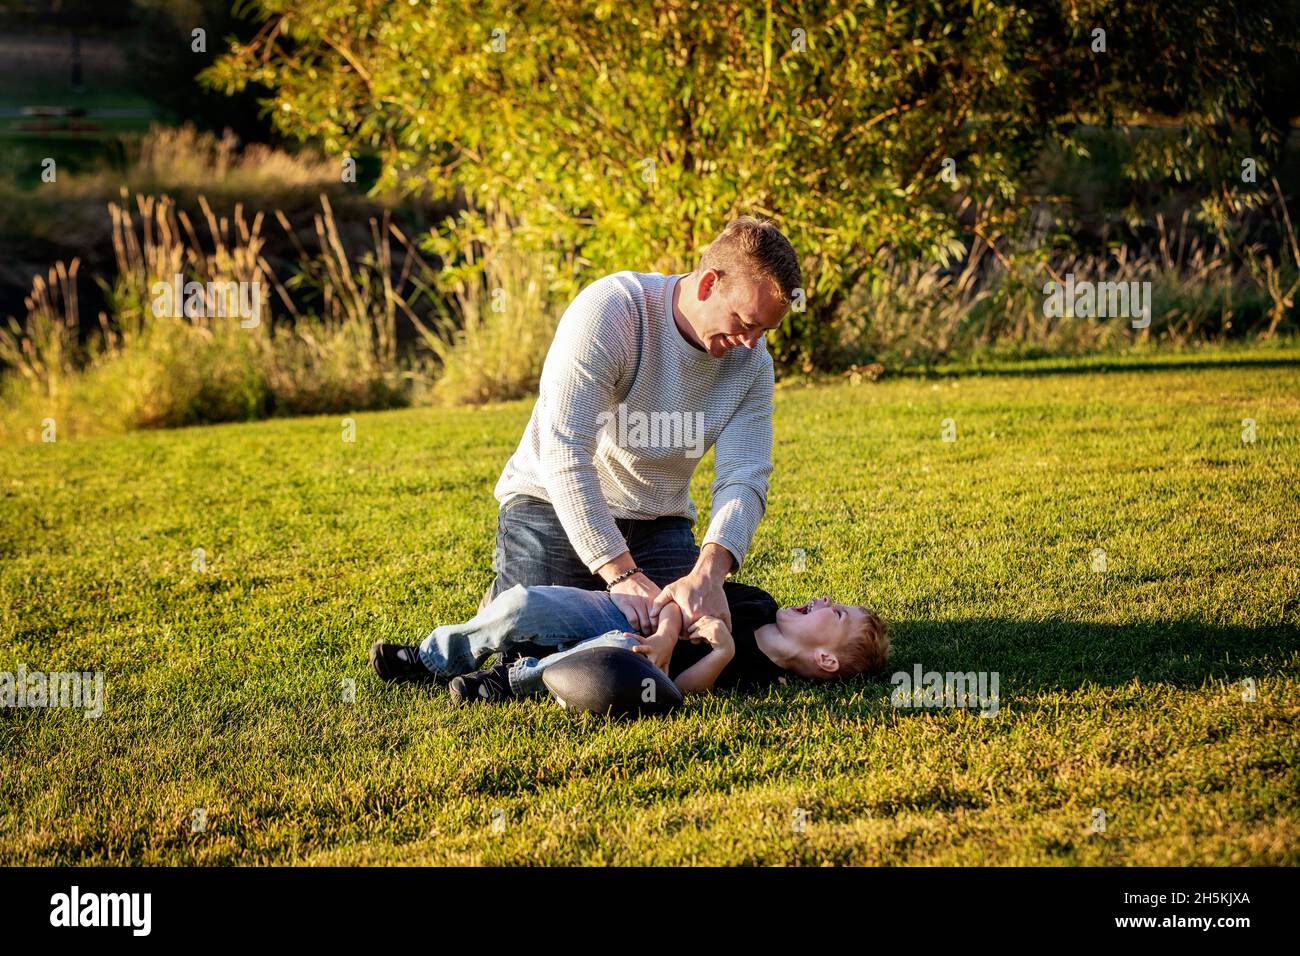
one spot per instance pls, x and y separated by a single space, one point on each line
1119 690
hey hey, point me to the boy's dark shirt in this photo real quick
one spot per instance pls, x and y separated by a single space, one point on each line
751 608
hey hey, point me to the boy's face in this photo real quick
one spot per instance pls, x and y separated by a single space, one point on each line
816 631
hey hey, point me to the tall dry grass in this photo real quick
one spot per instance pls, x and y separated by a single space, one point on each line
45 351
185 161
493 331
329 336
364 321
908 314
146 367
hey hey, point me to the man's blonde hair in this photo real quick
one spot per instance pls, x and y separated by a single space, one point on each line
756 249
866 651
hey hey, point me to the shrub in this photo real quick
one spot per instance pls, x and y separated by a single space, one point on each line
143 369
492 340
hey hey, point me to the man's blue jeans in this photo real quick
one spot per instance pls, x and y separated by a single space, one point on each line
555 621
532 548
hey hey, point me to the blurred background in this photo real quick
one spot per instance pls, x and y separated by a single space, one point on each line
420 189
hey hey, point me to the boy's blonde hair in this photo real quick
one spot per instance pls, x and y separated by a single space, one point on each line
756 249
866 651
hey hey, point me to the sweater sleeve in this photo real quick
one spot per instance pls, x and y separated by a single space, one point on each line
580 381
742 467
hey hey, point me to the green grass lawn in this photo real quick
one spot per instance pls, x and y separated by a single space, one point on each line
1120 690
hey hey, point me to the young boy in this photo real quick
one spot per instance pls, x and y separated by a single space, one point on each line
533 627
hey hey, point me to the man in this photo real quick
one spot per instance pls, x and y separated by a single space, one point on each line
645 374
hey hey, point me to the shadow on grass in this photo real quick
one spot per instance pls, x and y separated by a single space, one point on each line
1085 367
1064 655
1033 657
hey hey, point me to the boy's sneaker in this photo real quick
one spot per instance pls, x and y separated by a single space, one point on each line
399 664
482 687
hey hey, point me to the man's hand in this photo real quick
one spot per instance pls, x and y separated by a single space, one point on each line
635 598
695 598
659 645
700 592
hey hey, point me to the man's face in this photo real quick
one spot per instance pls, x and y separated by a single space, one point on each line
737 311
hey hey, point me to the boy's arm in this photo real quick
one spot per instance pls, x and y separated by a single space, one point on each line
699 677
659 645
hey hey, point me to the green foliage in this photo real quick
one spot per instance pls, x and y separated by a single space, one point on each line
630 132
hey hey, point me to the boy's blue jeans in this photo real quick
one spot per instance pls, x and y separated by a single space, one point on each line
563 618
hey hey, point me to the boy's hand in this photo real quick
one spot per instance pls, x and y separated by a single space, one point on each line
714 632
659 645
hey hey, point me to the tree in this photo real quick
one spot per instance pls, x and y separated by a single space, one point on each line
631 131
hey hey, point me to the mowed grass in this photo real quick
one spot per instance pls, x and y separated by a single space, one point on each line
1120 690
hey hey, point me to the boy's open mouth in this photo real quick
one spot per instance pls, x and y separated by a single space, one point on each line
803 609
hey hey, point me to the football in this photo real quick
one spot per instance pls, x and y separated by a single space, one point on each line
613 681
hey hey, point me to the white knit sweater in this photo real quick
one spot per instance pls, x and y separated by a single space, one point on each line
626 409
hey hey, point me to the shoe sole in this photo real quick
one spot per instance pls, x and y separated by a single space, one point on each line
431 678
455 693
374 659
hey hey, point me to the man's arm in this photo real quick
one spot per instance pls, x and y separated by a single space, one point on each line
700 592
742 467
579 382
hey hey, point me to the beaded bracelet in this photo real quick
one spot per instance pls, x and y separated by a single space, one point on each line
622 577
